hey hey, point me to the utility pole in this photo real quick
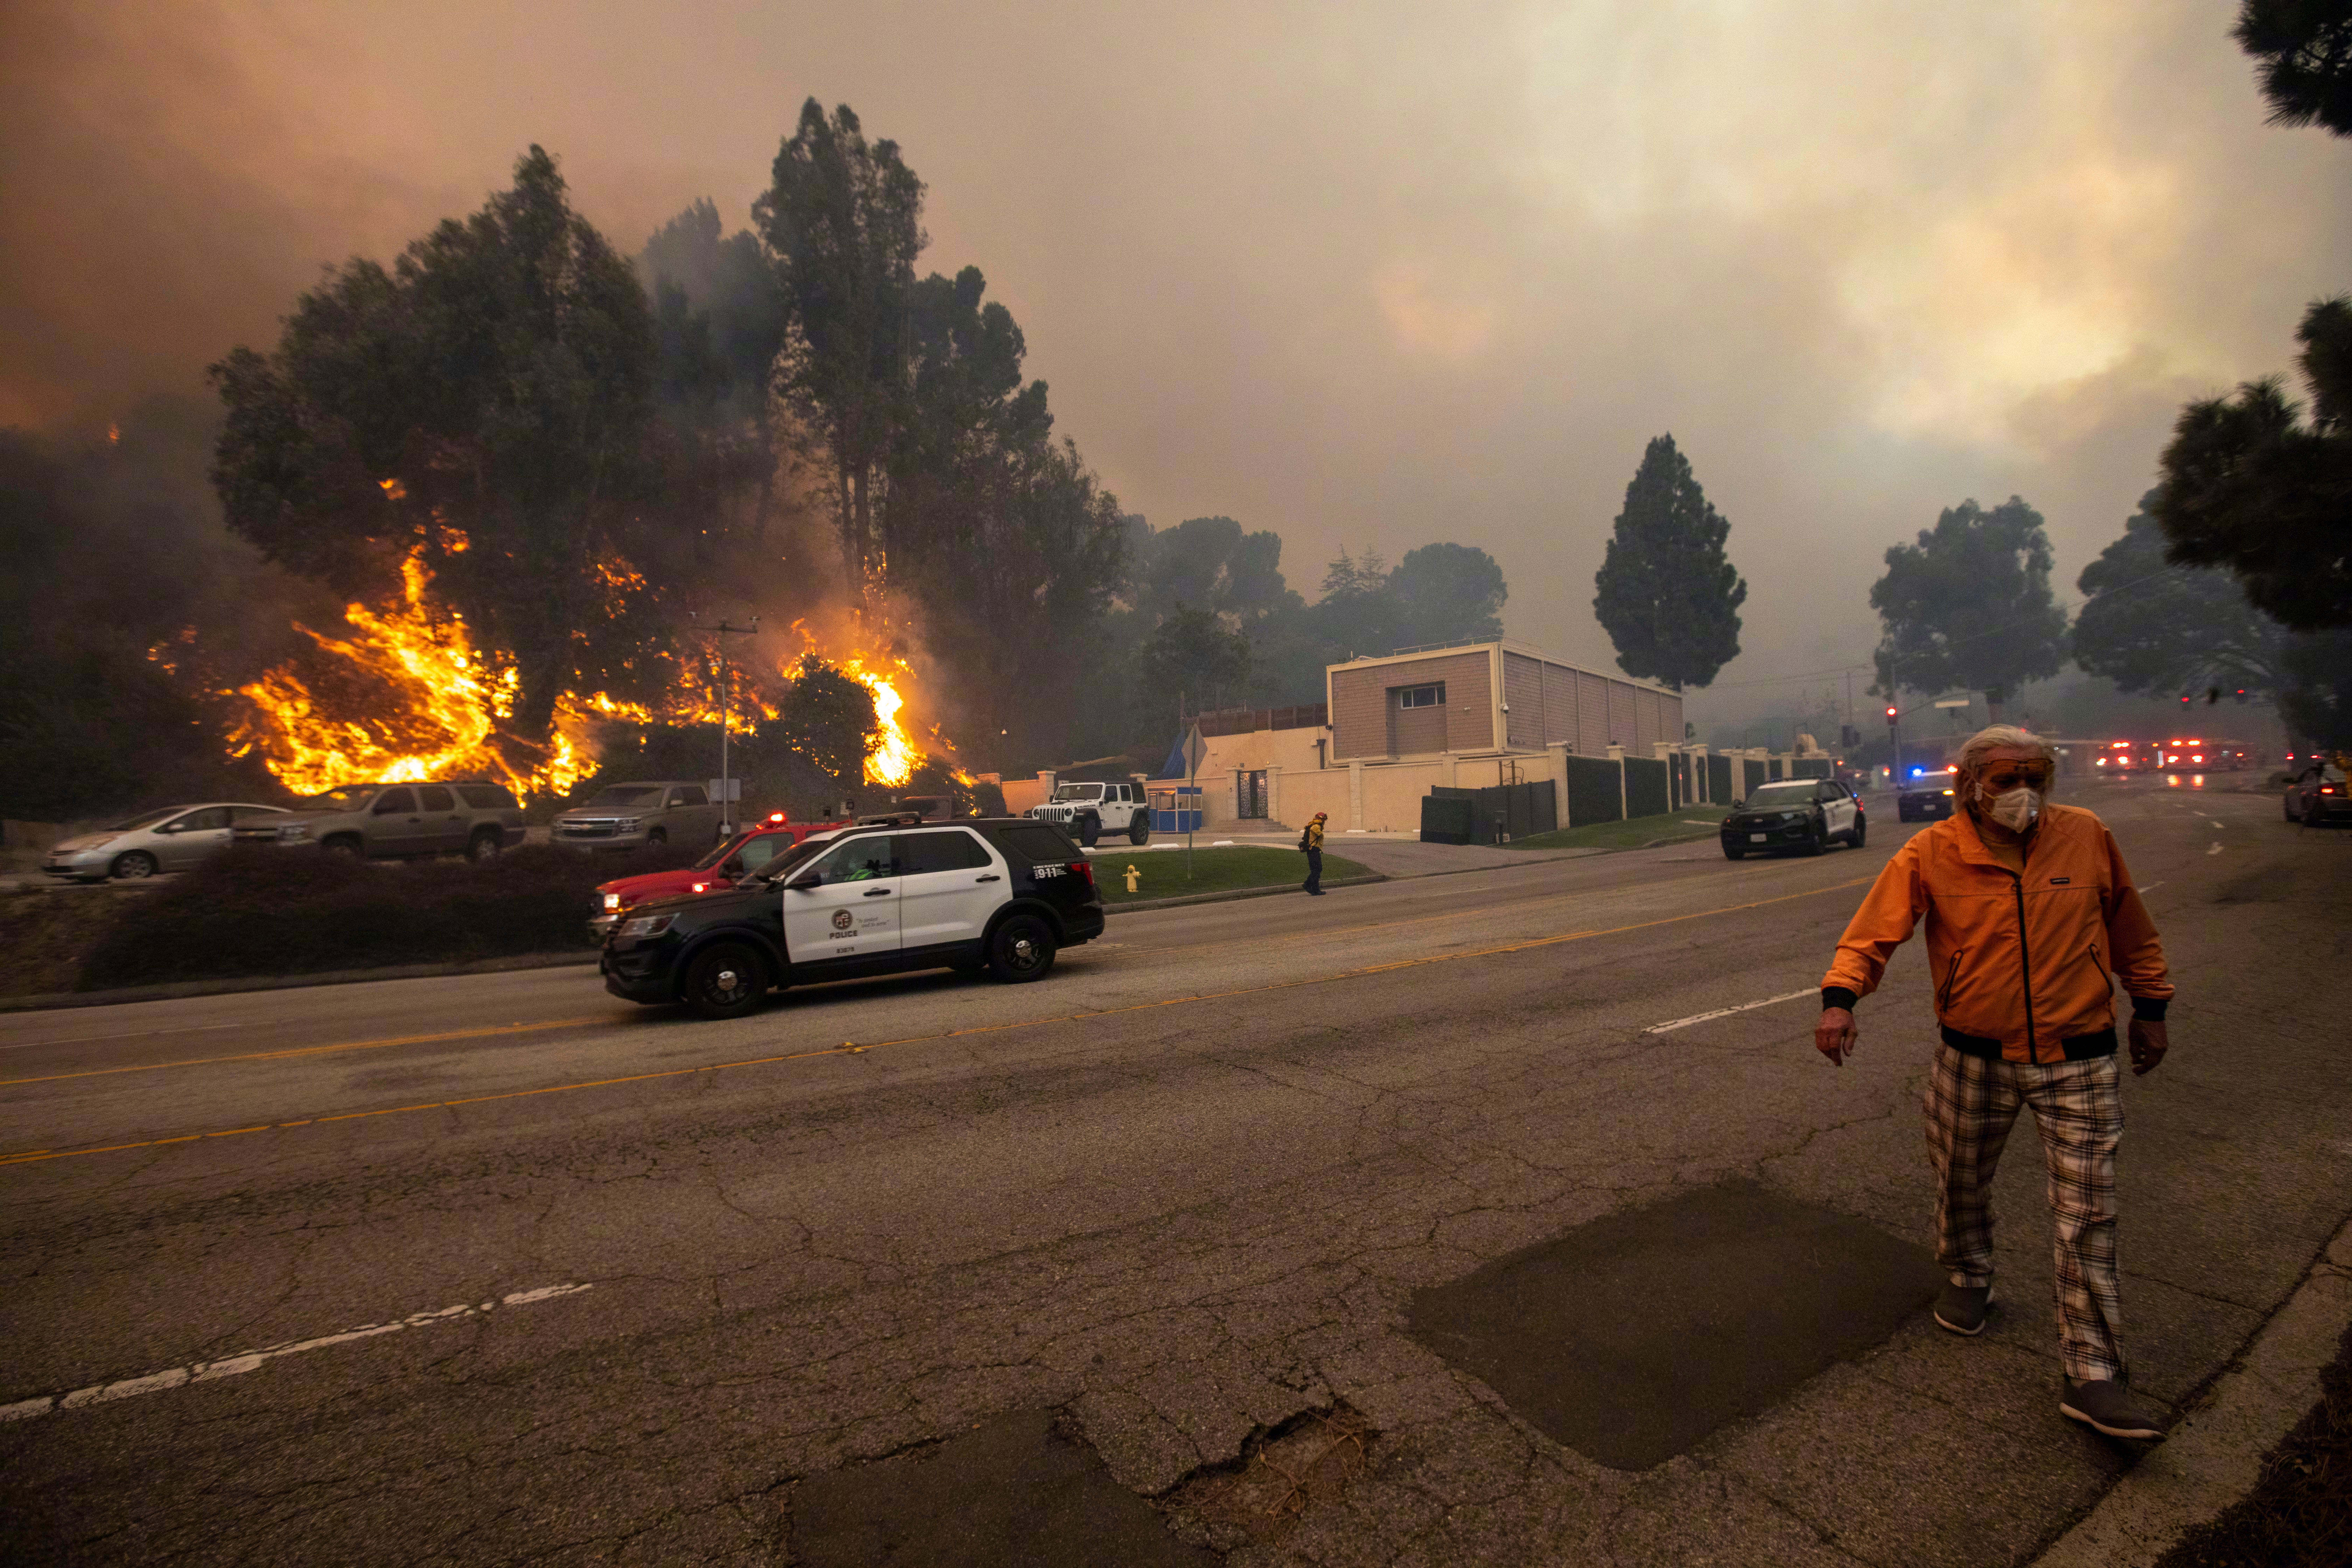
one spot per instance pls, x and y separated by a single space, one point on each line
720 634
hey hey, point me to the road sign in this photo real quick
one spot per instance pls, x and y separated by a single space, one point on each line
1953 702
1195 750
727 790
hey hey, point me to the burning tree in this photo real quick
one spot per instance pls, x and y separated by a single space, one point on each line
480 413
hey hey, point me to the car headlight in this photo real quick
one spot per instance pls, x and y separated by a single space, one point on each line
628 823
646 925
294 830
611 901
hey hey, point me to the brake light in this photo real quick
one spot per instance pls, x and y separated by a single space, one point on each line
1083 869
2328 789
2198 758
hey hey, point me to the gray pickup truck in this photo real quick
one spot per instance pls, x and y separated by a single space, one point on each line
396 822
625 815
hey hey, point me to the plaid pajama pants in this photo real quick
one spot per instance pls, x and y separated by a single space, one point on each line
1971 1104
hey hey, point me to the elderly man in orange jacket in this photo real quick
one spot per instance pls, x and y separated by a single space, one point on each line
2032 921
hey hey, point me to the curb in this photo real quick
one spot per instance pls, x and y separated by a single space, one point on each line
2213 1457
1230 894
174 990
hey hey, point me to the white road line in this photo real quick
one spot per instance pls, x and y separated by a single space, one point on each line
2212 849
230 1366
1727 1012
2151 887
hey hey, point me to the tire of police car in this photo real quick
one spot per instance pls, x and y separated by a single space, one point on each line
1861 830
726 980
1021 949
1138 829
1818 841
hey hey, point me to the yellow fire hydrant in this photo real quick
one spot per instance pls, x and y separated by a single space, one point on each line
1134 878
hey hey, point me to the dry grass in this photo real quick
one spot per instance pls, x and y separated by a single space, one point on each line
44 933
1307 1461
2299 1514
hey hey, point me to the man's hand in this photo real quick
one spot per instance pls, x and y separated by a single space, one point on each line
1834 1036
2148 1047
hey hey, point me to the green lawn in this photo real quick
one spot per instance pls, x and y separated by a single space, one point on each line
1690 822
1162 871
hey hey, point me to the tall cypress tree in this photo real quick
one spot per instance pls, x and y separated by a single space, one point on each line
1667 596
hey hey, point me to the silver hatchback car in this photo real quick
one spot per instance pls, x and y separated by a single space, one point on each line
170 839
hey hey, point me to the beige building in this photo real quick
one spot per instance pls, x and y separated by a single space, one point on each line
1460 717
1492 698
1394 727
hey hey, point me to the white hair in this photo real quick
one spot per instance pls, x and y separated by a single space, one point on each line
2003 738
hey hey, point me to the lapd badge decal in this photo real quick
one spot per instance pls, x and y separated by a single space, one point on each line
843 920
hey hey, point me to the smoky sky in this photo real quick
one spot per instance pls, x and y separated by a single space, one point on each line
1367 275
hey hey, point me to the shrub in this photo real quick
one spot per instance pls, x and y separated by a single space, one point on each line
264 910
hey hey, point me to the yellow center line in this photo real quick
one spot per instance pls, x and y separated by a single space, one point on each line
32 1156
293 1051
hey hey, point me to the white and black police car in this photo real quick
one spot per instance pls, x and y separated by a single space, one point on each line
1002 895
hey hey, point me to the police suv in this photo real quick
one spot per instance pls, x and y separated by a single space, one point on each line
995 894
1087 811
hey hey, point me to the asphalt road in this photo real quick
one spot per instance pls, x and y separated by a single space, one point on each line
638 1285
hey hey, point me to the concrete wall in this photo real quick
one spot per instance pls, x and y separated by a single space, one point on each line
1020 795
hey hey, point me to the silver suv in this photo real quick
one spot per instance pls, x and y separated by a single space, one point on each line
625 815
397 822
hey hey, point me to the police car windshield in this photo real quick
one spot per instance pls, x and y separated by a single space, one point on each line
799 855
1800 792
1078 792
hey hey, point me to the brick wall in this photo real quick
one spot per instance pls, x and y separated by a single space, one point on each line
1367 723
1523 693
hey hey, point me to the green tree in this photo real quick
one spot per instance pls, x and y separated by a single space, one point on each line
1666 594
2304 51
2250 486
1968 606
486 403
842 222
728 299
2315 695
826 719
1007 543
1357 615
1212 564
1449 593
1194 659
2162 630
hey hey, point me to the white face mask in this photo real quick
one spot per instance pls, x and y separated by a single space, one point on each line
2017 809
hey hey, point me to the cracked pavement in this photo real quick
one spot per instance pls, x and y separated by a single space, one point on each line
1178 1224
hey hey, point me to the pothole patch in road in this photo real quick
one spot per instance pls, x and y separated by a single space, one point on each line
1309 1459
1633 1338
1014 1490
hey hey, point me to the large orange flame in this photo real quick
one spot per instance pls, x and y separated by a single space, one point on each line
430 701
442 701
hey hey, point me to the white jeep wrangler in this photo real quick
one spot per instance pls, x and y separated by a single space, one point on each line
1085 811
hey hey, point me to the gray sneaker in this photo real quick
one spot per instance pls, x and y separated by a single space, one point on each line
2109 1407
1962 1308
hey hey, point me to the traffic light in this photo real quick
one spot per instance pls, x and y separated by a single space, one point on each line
1891 712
